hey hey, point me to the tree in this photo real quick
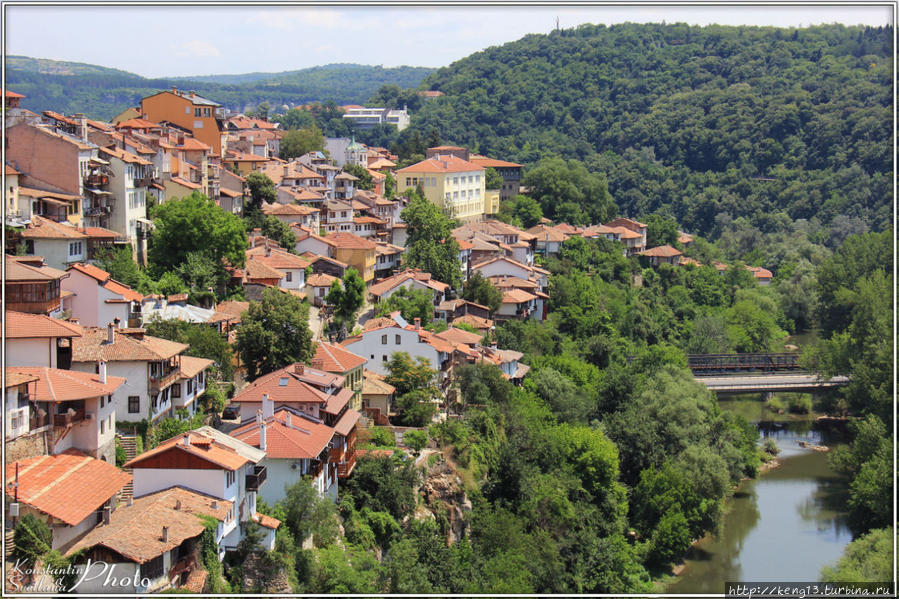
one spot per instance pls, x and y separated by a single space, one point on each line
493 180
195 224
869 558
361 173
262 189
661 230
204 340
297 142
480 290
307 514
32 539
279 231
274 333
567 191
407 375
347 296
389 187
122 267
411 303
415 439
430 245
384 485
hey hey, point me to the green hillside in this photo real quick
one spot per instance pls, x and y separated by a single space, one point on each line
102 93
706 124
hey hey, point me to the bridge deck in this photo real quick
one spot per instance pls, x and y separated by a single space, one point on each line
769 382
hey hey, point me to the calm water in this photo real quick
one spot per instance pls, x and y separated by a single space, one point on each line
783 526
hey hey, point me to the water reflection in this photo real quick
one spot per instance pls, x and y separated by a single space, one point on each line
783 526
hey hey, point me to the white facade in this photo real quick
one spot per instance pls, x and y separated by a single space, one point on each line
503 267
60 253
185 391
136 374
16 414
311 244
294 278
95 432
131 201
34 351
283 472
378 345
92 304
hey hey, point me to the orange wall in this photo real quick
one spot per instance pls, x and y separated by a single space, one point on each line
170 107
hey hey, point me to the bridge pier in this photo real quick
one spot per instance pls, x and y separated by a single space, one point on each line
767 396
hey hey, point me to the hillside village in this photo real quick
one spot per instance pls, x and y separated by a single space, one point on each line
89 390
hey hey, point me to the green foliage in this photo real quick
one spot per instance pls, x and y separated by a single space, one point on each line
480 290
430 245
381 436
411 303
279 231
361 173
347 296
296 142
416 439
660 230
274 333
32 539
120 456
868 558
169 427
121 267
569 192
492 179
407 375
670 539
65 566
307 514
384 485
204 340
343 570
195 224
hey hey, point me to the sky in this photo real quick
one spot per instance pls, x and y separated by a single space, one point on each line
173 40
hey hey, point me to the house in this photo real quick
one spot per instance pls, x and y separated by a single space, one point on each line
634 244
518 304
507 267
309 241
295 446
482 325
209 464
151 544
292 266
377 398
509 171
345 183
96 299
202 117
38 340
549 239
150 365
493 238
762 275
294 214
190 385
389 258
366 118
17 408
664 254
452 309
356 252
60 244
455 185
31 286
231 192
129 184
76 407
318 286
409 279
337 215
71 492
337 360
17 215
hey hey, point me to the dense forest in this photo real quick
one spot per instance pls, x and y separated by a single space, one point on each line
102 93
718 127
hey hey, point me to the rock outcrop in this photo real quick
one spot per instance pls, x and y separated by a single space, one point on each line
444 495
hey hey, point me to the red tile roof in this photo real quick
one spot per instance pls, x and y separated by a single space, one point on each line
320 280
30 268
517 296
300 439
70 486
266 521
663 251
44 228
454 335
442 164
135 531
347 422
296 387
107 282
335 358
192 366
14 378
55 385
20 325
351 242
492 162
201 446
93 346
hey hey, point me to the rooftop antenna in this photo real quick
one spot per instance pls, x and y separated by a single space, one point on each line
557 23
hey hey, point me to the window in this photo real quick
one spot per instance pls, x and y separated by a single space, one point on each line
289 276
75 248
102 400
197 112
198 124
398 340
152 569
408 182
176 390
383 358
102 427
187 110
190 386
207 112
383 339
133 404
229 478
455 180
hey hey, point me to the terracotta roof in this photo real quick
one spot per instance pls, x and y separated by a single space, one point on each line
56 385
347 422
93 346
374 385
350 241
233 308
184 182
684 238
266 521
392 282
684 261
192 366
8 170
378 323
286 385
627 223
454 335
759 272
20 325
301 439
14 378
193 144
388 249
569 229
256 269
370 220
475 321
517 296
277 258
29 268
135 531
544 233
335 358
625 233
320 280
202 446
138 123
70 486
492 162
125 156
101 233
10 94
719 265
442 164
44 228
41 193
105 281
288 209
662 251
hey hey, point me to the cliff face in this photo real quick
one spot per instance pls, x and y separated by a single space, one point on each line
444 496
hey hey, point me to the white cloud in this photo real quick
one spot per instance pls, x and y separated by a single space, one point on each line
198 48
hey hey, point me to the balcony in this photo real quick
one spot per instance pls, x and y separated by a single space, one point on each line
96 179
346 468
143 181
68 418
158 383
97 211
257 479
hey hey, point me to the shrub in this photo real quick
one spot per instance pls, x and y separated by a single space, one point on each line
775 404
32 538
770 447
382 437
801 404
415 439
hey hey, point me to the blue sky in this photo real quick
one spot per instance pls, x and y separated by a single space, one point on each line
158 41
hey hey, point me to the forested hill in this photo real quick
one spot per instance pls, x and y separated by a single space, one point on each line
102 93
702 122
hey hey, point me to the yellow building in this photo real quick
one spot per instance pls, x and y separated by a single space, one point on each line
202 117
454 184
356 252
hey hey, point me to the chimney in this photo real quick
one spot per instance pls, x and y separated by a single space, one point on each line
165 534
178 504
258 416
102 371
268 407
262 436
116 321
417 323
317 363
174 90
106 514
286 169
110 333
187 440
287 419
299 368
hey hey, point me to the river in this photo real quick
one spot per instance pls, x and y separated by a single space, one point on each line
782 526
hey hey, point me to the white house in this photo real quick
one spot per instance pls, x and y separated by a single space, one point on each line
378 343
60 244
190 385
411 279
96 299
293 266
38 340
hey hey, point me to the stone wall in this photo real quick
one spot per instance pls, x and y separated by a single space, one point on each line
29 446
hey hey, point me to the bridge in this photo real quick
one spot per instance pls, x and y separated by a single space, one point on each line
757 373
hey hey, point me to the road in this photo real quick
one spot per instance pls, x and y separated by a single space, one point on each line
772 382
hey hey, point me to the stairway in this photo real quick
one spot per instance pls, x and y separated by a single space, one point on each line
130 446
10 543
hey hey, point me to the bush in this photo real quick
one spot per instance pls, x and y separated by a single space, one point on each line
381 436
775 404
32 539
415 439
770 447
801 404
120 457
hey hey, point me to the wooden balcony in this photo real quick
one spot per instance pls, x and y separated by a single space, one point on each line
143 181
256 480
68 418
38 307
159 383
183 565
96 179
346 468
